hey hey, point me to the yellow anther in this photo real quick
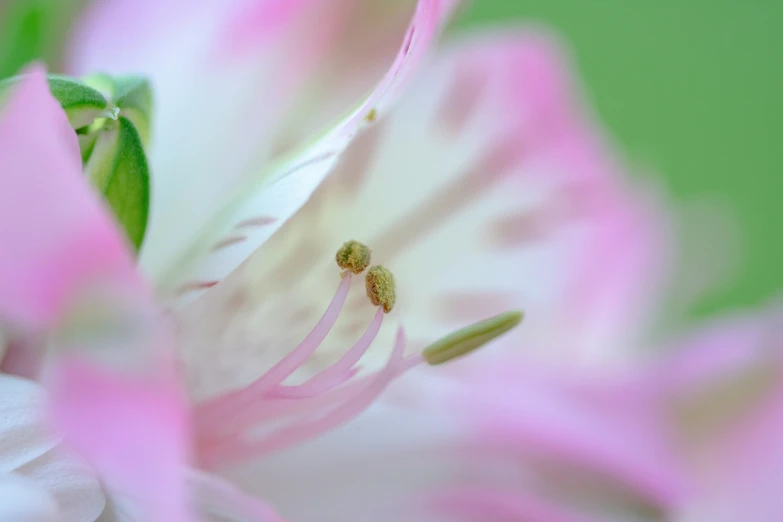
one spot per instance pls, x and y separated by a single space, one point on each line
353 256
370 116
381 288
470 338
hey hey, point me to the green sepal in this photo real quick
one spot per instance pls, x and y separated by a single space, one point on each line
117 166
81 103
131 94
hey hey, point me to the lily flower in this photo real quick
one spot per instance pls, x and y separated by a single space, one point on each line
77 290
485 189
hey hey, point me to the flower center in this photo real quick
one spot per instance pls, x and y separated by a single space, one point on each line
268 415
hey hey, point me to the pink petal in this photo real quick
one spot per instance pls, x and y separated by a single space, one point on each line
57 236
133 430
723 391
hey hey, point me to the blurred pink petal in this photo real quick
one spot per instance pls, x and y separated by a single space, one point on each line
263 79
132 429
723 398
57 237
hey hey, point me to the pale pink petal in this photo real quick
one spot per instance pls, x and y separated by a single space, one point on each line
58 238
575 444
132 429
235 84
30 450
722 388
485 189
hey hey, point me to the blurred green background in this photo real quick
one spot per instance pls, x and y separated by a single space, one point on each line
688 88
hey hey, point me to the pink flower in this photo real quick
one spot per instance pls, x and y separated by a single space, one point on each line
486 188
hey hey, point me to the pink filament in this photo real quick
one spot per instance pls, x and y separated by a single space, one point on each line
231 449
340 371
217 410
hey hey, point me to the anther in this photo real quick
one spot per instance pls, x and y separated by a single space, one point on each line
470 338
353 256
380 287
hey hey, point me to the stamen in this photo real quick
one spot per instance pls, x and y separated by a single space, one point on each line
470 338
340 371
232 404
353 256
296 433
381 288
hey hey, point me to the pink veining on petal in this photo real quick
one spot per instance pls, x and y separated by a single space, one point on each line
259 221
227 242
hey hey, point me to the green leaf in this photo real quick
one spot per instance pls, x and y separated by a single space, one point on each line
117 166
82 104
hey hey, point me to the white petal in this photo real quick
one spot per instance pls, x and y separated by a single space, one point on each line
22 500
23 433
30 450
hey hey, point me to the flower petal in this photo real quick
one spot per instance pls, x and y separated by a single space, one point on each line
25 501
722 389
486 189
133 430
58 236
30 450
249 70
22 423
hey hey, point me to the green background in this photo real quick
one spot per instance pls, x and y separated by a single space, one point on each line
691 89
688 88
